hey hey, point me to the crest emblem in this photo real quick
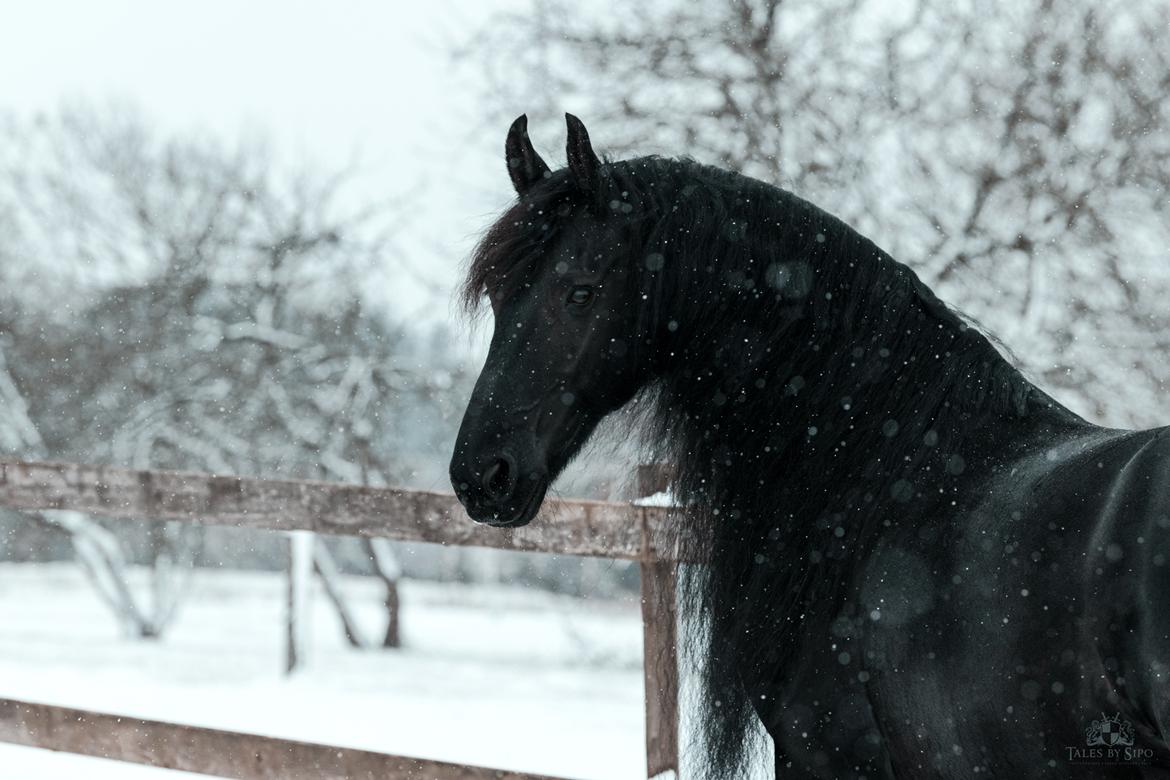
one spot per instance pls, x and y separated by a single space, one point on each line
1109 731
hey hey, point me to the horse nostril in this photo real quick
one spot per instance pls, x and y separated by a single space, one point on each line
497 479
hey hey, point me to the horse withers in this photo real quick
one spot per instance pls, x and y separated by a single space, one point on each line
916 563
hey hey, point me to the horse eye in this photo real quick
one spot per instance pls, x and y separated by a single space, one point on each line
580 295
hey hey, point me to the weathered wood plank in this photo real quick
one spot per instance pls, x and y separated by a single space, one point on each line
215 752
659 644
571 527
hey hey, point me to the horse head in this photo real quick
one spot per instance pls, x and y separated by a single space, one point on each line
564 272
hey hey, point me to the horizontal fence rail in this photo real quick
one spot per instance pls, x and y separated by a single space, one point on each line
569 527
215 752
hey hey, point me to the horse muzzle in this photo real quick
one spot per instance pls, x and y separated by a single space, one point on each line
498 490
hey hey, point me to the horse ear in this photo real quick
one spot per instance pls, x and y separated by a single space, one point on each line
583 163
525 167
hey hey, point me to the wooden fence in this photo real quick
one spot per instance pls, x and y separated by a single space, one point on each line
608 530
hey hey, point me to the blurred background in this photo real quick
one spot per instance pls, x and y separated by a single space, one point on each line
229 240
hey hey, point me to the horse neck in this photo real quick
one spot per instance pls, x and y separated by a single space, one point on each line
861 393
807 421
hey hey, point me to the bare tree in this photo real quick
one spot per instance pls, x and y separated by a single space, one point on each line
17 432
225 325
98 551
1018 159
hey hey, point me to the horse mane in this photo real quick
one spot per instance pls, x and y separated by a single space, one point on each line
802 348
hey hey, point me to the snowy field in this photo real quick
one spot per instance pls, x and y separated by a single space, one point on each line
496 676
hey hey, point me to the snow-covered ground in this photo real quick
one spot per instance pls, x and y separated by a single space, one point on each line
496 676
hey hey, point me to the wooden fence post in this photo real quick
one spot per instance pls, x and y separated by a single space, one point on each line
659 644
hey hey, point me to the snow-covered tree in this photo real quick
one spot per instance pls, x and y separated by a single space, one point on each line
224 321
1018 159
17 432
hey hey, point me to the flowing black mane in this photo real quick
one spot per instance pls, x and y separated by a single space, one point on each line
859 403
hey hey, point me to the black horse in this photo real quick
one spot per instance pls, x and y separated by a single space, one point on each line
917 563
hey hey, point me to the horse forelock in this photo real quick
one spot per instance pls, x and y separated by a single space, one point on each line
630 192
513 241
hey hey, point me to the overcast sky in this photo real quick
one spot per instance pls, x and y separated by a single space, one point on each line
324 81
